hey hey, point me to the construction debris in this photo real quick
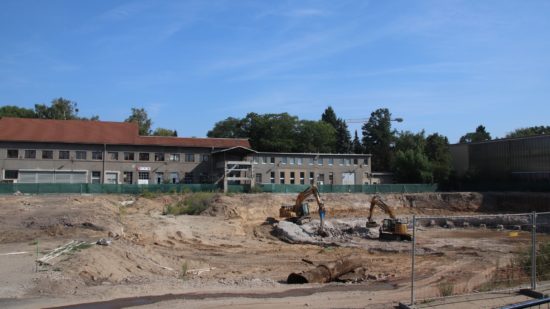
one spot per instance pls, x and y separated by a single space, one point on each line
104 241
326 272
49 258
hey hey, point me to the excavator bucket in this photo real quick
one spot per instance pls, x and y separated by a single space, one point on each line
371 224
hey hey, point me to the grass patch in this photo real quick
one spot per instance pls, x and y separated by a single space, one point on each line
183 272
148 194
192 204
445 289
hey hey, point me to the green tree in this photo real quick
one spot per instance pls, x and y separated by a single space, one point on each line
272 132
314 136
139 116
357 147
412 166
164 132
530 131
439 154
229 128
343 138
480 135
16 112
60 108
378 138
329 116
408 140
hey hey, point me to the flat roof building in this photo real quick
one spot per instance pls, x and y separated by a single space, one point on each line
79 151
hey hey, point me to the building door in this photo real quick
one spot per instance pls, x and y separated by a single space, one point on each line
174 176
159 176
348 178
258 178
111 178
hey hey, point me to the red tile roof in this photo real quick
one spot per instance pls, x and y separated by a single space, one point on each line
98 132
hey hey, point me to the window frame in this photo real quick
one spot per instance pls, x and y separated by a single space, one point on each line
160 157
129 156
28 153
97 155
11 156
61 154
79 153
142 155
44 152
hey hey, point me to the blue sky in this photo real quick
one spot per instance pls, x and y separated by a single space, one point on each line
443 66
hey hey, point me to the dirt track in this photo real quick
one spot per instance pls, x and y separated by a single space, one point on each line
229 249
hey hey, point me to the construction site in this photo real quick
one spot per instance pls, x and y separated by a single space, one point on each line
247 251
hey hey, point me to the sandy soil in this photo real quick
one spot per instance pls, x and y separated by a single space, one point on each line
229 253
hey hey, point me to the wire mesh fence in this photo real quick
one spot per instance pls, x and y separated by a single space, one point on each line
460 255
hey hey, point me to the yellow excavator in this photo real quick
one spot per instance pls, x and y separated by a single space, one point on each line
392 228
299 212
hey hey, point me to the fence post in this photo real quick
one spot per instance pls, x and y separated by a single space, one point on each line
534 251
412 259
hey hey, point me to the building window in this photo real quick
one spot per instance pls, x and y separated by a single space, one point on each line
255 159
292 178
282 178
129 156
159 156
331 178
64 154
355 161
311 161
13 154
112 155
272 160
283 160
321 179
144 156
143 175
258 178
97 155
311 177
366 161
302 178
188 178
330 161
11 174
30 154
127 177
96 177
47 154
320 161
262 159
291 160
347 161
174 176
81 155
342 161
299 161
272 177
189 157
205 158
175 157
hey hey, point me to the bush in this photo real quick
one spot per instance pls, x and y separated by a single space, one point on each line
543 260
192 204
445 289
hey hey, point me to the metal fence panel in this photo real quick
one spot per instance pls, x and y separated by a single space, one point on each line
542 249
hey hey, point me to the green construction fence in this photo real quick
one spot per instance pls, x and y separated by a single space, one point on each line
88 188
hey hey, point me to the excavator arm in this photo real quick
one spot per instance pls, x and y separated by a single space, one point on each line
377 201
299 211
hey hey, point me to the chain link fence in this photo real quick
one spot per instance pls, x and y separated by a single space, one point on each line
463 255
